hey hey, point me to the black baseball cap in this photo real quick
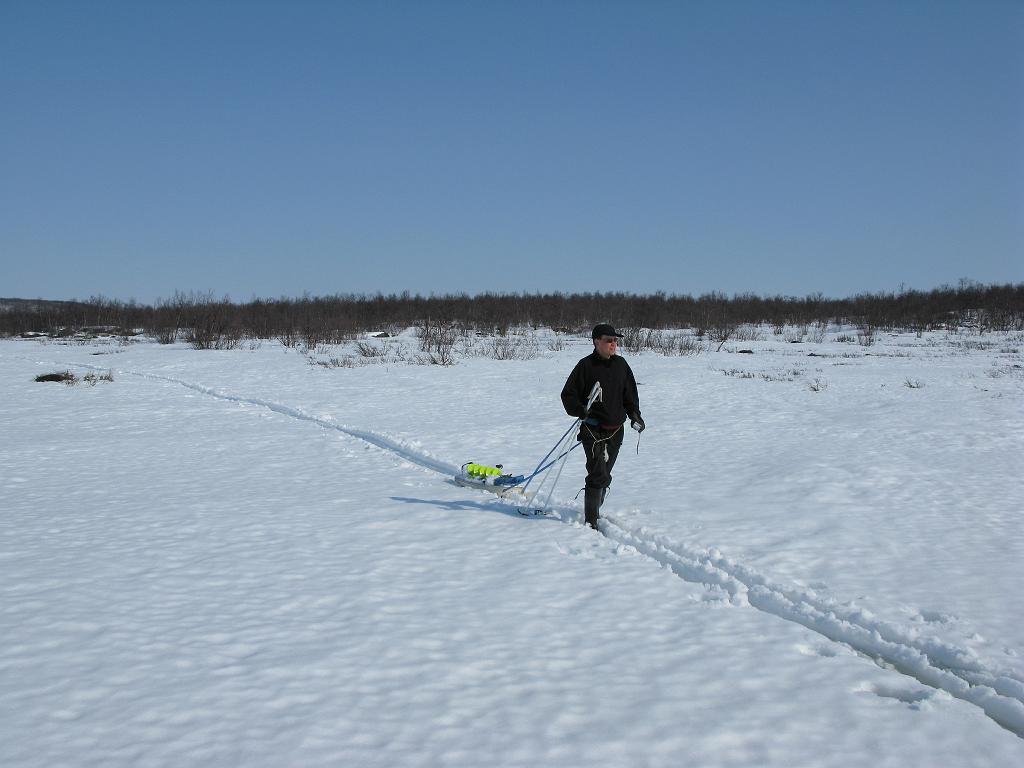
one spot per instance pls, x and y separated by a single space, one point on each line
603 329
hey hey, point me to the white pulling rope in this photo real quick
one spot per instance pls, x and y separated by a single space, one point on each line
596 395
558 450
558 474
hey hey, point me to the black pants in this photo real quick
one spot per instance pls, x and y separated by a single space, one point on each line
602 449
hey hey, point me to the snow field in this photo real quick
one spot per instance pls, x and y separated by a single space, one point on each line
192 580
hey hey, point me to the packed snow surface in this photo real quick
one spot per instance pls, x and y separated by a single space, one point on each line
240 558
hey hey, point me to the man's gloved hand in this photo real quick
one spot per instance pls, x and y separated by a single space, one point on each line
636 422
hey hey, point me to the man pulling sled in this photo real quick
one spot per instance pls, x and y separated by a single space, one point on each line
601 393
601 426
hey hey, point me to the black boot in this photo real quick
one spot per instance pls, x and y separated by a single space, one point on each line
591 504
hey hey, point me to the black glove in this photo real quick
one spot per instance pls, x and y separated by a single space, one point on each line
637 423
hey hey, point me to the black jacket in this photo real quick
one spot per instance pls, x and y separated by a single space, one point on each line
620 398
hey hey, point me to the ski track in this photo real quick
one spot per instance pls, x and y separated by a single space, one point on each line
933 662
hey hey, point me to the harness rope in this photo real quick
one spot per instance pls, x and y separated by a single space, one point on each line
602 439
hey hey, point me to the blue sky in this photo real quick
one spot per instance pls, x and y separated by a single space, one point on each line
272 148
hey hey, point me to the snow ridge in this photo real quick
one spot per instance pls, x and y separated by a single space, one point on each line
933 662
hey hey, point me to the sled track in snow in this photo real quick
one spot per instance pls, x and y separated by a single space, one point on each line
933 662
373 438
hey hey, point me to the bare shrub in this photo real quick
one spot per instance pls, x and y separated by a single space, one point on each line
687 345
126 336
437 341
433 358
503 348
365 349
790 375
514 347
795 335
169 317
92 378
913 384
556 343
866 335
471 346
166 335
394 351
638 340
312 350
211 323
444 356
334 362
1013 371
288 338
633 339
722 331
629 335
983 346
816 334
739 374
678 344
817 385
668 343
845 338
748 332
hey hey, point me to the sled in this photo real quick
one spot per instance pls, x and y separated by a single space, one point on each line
507 486
490 479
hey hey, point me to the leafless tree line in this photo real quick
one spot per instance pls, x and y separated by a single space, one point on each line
210 322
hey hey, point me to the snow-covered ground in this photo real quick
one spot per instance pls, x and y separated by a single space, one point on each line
238 558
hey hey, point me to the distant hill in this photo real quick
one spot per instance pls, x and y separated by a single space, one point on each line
35 304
